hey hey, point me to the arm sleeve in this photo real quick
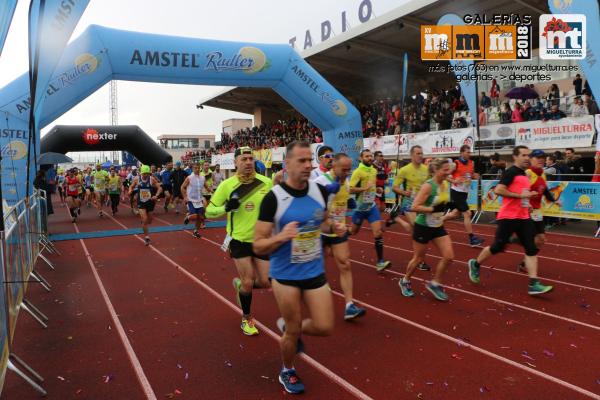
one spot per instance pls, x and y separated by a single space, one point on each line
216 206
268 208
507 177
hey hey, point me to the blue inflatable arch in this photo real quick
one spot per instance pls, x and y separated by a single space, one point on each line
101 54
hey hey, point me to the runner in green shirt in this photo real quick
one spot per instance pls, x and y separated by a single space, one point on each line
99 182
239 197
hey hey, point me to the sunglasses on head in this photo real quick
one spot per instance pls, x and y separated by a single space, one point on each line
245 150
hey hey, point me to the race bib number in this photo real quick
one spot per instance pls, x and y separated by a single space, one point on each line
368 198
197 204
72 188
113 188
306 247
537 215
225 245
434 220
338 213
145 195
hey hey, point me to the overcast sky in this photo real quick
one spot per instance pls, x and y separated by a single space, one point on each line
165 108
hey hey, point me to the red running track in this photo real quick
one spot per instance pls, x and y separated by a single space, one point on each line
175 304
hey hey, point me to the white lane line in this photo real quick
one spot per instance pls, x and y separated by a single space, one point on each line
477 349
335 378
509 251
135 362
547 233
493 299
483 266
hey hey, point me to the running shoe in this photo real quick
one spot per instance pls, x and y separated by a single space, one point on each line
537 287
186 220
78 211
521 267
424 267
177 212
290 381
473 270
299 345
248 327
196 234
406 288
100 214
237 285
437 291
474 241
383 265
352 311
73 219
147 241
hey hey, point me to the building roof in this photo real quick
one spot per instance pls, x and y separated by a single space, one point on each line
365 63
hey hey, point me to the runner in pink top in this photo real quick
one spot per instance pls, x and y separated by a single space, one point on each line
514 187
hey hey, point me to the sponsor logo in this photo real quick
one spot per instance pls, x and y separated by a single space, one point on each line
14 149
92 137
250 60
63 13
165 59
468 42
337 106
562 36
562 5
85 64
14 133
436 42
584 203
350 135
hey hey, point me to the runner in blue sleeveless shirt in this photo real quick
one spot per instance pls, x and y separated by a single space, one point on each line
292 217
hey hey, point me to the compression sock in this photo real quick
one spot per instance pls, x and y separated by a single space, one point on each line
245 301
379 248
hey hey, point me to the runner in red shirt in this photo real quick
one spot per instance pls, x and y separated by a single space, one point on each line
72 185
537 180
514 217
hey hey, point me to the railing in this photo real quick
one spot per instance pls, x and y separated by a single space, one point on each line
24 238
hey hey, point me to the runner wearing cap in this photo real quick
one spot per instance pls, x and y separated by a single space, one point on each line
430 204
363 183
148 189
99 182
177 178
337 205
463 174
514 217
239 198
166 184
538 184
192 188
292 217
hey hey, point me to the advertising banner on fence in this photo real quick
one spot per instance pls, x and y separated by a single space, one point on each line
443 142
3 329
472 197
278 154
226 161
597 119
497 132
490 201
566 132
580 200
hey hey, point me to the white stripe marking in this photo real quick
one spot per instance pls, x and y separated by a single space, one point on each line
135 362
495 269
344 384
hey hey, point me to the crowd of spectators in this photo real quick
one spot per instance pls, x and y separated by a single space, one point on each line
434 109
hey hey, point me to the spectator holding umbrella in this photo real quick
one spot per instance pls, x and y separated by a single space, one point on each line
516 114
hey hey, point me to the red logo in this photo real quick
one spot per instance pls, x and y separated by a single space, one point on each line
91 136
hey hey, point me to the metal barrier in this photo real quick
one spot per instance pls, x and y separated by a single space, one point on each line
24 238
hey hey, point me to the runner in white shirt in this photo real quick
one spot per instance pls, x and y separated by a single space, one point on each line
192 189
325 157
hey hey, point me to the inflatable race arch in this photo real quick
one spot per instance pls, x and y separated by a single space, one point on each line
101 54
131 138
